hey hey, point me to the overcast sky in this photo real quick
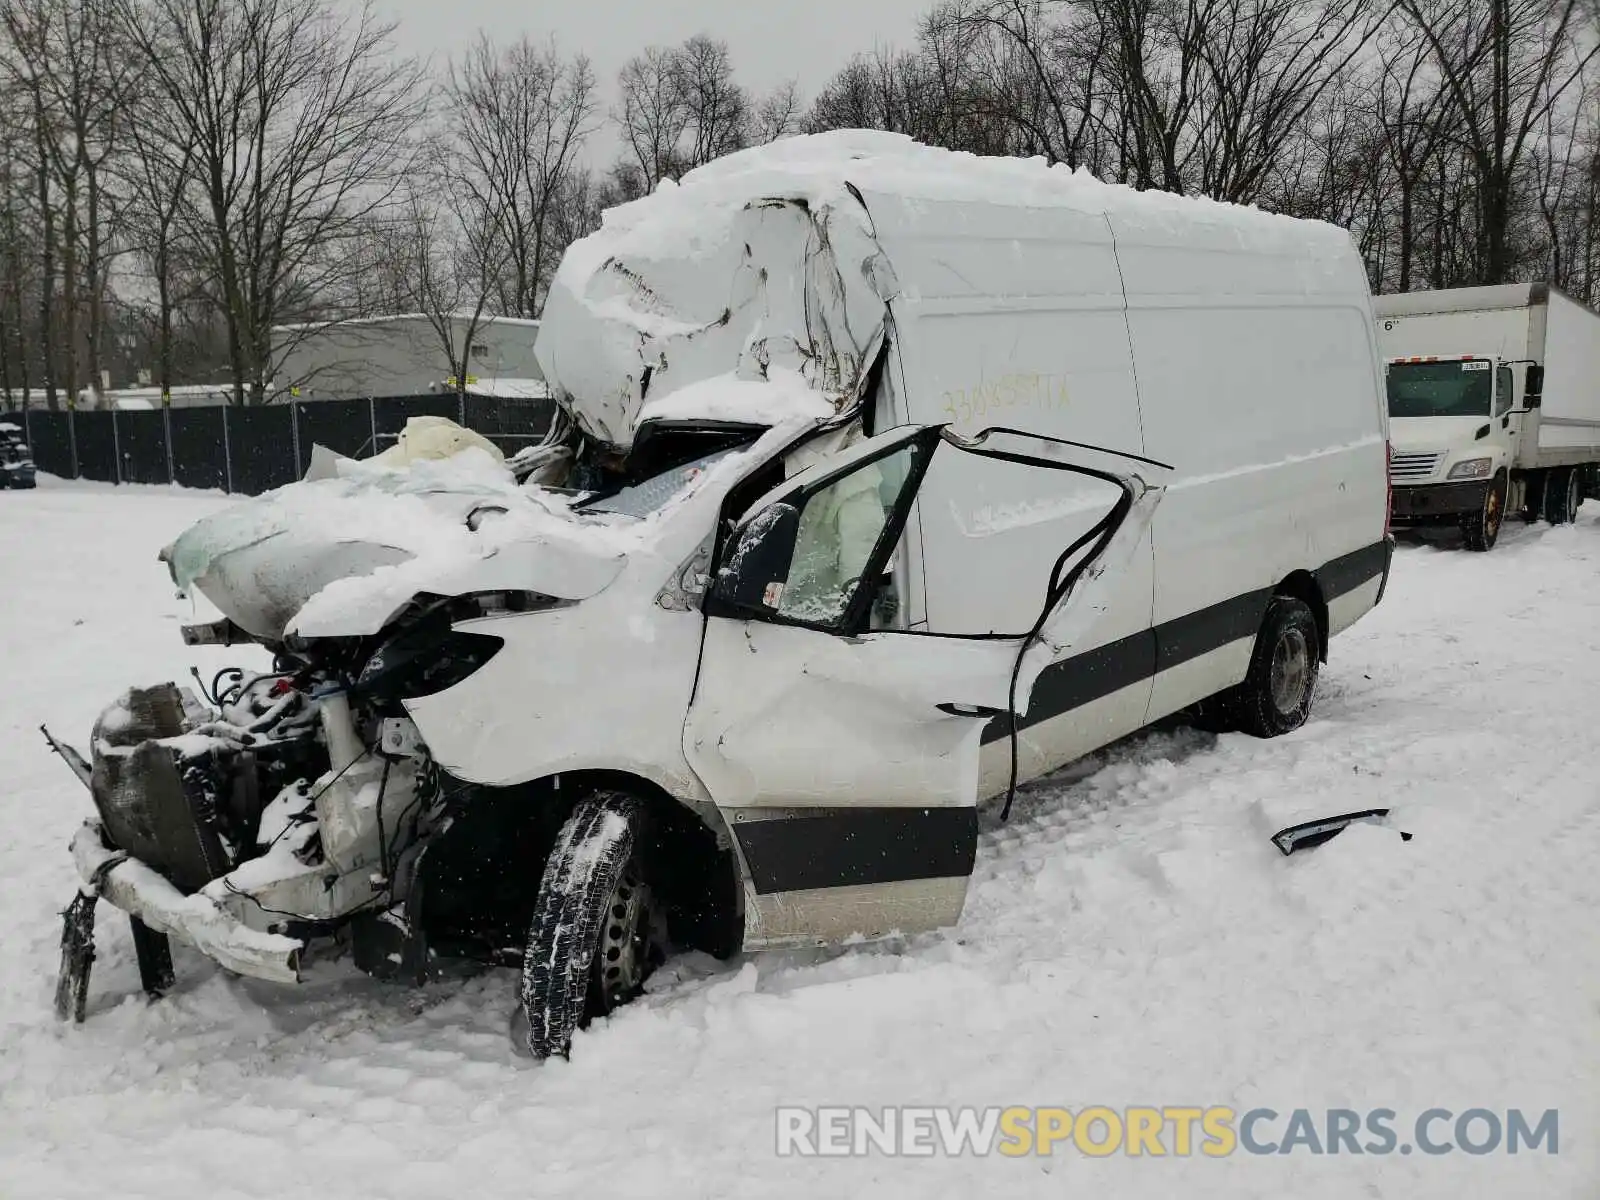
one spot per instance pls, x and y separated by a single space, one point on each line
770 40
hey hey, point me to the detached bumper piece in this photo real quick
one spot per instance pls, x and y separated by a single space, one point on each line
1438 502
164 795
158 909
1309 834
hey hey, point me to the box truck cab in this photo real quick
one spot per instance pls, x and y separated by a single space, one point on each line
1494 406
944 472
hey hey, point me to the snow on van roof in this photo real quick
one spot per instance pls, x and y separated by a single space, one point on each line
821 168
729 271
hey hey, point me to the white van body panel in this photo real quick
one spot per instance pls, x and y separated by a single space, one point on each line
1250 365
1014 317
936 288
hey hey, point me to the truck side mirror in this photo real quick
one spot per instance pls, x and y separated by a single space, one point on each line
1533 387
756 565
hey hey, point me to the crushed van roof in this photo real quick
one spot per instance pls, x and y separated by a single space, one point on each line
767 259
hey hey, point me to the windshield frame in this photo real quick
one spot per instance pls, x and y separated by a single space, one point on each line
1431 379
692 472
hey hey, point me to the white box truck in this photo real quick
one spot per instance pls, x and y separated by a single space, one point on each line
893 531
1494 405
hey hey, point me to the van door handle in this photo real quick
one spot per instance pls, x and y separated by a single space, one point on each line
969 710
1505 421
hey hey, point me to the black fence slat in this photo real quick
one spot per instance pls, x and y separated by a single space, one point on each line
97 445
198 453
390 413
525 418
261 447
255 448
343 426
142 442
483 415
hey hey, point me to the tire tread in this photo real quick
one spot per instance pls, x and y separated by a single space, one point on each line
579 877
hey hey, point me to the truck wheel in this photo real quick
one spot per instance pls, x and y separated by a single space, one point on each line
597 930
1480 530
1563 492
1275 696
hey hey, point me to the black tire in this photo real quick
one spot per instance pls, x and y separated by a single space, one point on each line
1563 492
580 961
1275 696
1480 530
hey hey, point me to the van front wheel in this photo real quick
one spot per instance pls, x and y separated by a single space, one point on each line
1275 696
597 930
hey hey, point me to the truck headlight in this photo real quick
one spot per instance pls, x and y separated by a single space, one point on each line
1472 468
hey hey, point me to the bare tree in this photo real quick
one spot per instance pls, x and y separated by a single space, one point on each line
518 119
778 114
1505 64
160 180
717 109
17 251
27 30
300 116
681 108
651 118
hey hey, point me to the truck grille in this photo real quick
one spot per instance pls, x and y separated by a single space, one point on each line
1404 467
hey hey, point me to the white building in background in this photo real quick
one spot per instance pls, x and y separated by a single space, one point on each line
401 355
404 355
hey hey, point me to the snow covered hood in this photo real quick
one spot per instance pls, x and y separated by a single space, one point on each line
341 556
352 549
767 258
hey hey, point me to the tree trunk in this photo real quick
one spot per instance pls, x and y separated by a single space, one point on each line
69 294
47 265
164 321
1407 203
92 277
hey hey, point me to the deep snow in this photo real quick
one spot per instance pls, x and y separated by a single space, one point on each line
1130 938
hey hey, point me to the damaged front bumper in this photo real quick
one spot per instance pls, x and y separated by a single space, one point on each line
201 920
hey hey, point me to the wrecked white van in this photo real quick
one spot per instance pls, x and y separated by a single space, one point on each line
898 477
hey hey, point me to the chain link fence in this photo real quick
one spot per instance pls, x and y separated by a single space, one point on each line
252 450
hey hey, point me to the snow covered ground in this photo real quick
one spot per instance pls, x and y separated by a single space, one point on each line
1130 938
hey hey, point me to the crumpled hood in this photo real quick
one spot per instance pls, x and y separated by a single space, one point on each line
342 555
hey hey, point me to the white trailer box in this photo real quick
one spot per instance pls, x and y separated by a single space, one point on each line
1494 397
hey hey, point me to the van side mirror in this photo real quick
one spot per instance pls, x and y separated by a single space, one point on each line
756 565
1533 386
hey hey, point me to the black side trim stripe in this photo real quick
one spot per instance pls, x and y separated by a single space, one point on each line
1083 678
1209 628
1096 673
1349 571
856 846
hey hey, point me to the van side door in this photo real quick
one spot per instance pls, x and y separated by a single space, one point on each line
845 760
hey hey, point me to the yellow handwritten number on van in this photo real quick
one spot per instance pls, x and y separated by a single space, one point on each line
1045 392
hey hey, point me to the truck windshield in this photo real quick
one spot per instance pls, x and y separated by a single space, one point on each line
1441 389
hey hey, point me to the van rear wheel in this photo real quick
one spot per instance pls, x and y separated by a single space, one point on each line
598 931
1275 696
